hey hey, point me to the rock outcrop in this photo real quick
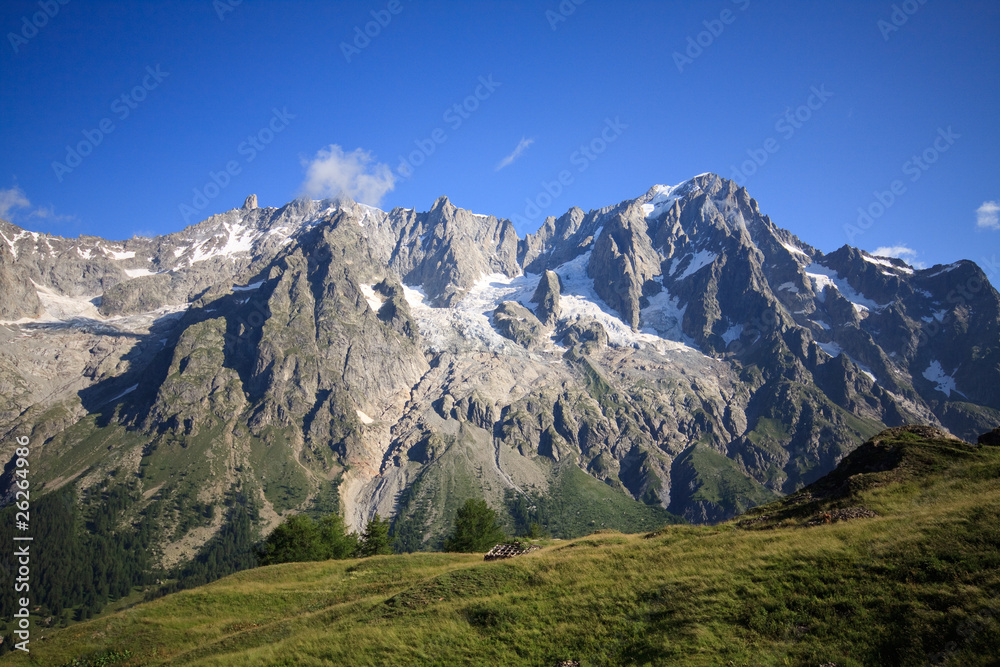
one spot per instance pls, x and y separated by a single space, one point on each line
679 350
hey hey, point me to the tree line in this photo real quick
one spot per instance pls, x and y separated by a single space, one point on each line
94 555
301 538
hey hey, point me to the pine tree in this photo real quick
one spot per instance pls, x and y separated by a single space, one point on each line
477 528
375 540
294 541
334 539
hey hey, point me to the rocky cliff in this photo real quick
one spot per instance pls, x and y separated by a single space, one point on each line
680 349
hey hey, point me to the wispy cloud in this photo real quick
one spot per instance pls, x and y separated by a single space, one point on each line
356 174
988 215
521 147
12 198
905 253
15 205
48 213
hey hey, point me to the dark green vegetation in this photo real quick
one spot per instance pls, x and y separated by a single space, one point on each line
101 553
300 539
375 540
477 528
87 559
894 559
578 505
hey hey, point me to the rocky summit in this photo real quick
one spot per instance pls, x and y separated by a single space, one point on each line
673 354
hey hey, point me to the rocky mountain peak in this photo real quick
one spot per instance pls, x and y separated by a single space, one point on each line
648 347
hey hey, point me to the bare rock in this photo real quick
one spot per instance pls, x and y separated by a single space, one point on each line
517 323
547 297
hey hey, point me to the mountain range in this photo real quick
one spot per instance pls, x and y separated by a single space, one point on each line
676 354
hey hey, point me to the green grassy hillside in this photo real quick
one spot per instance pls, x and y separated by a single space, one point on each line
892 560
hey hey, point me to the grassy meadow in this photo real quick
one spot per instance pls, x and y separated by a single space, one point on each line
917 584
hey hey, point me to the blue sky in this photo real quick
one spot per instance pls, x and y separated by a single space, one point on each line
518 109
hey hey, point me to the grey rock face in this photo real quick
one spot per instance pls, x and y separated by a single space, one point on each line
677 339
446 250
547 297
587 332
517 323
18 298
138 295
623 265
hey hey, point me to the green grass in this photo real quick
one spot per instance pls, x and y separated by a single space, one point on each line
918 584
579 504
720 481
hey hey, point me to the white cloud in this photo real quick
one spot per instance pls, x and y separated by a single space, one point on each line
48 213
356 174
905 253
900 251
988 215
11 199
521 147
15 198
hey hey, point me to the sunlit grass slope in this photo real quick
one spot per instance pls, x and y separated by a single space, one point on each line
917 584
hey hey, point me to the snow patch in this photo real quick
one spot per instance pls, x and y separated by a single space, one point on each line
238 239
663 198
882 261
733 333
365 419
60 308
945 383
138 273
10 243
469 320
823 277
945 269
124 393
832 349
835 350
789 286
792 249
375 300
700 260
662 317
119 255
